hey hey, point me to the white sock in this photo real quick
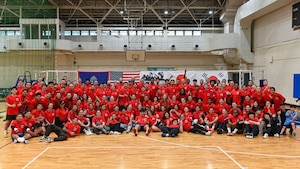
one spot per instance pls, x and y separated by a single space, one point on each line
5 132
235 130
229 129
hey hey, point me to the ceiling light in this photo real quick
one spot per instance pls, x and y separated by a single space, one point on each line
210 12
121 12
166 12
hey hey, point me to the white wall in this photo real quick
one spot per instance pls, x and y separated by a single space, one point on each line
276 50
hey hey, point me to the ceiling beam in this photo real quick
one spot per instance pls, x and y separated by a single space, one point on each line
9 10
156 7
75 9
190 12
184 8
53 3
112 7
2 12
154 11
86 14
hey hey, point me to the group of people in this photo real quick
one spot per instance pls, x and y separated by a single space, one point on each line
171 107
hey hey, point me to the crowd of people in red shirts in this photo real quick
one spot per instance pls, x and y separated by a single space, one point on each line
169 106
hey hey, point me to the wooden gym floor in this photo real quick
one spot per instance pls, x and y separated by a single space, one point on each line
126 151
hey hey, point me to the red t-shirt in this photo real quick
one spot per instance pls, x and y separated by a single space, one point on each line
125 118
236 96
141 120
72 128
37 114
100 120
211 117
30 123
11 99
255 120
50 115
20 125
62 114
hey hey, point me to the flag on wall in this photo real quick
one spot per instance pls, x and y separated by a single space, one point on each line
101 77
126 76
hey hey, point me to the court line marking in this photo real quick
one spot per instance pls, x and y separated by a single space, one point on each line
198 147
5 145
35 158
231 158
117 147
228 151
259 154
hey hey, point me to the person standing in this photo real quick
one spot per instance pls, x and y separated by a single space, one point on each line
13 103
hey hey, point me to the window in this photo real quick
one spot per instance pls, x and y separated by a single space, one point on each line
26 31
18 33
2 33
197 33
123 33
132 33
179 33
93 33
75 33
34 31
158 33
85 33
105 33
67 33
188 33
140 33
115 33
171 33
149 33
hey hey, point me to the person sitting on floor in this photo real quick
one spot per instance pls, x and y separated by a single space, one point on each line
172 130
271 126
19 130
142 123
251 125
291 117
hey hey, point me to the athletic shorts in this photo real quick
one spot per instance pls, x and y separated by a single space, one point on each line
141 127
20 135
11 117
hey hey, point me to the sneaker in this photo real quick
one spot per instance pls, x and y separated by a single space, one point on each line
219 130
294 134
86 132
247 135
50 140
265 135
276 135
208 133
26 142
43 139
164 134
111 132
117 133
5 135
230 134
15 141
90 132
251 135
135 132
173 135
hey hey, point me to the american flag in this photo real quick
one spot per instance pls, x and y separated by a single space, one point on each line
126 76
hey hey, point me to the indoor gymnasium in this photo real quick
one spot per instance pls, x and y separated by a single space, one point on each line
162 84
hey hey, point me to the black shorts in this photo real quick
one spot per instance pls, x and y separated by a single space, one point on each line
11 117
